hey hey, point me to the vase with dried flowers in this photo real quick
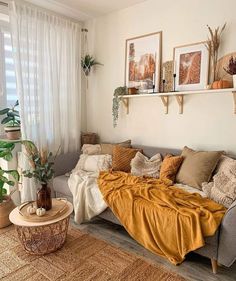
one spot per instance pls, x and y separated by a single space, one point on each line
231 69
42 171
213 44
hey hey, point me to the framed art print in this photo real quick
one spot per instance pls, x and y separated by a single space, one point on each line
191 66
143 61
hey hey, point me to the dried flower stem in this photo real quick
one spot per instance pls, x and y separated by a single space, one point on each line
213 44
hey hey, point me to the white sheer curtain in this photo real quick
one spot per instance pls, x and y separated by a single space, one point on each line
47 60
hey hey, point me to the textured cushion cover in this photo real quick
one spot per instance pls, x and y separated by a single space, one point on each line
122 157
107 148
170 166
223 187
103 148
142 166
93 163
197 166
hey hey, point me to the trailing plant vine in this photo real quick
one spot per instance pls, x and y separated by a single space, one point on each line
120 91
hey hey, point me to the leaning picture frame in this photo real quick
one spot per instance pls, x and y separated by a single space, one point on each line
191 66
143 62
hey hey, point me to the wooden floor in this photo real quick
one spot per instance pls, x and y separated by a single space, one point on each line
195 267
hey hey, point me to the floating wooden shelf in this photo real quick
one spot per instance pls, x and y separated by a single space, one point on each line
179 96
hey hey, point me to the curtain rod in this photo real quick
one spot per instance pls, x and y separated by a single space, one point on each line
3 4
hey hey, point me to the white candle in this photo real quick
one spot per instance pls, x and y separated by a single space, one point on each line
174 67
153 78
163 73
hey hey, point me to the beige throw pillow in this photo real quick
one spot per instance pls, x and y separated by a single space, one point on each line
107 148
93 163
223 187
142 166
197 166
103 148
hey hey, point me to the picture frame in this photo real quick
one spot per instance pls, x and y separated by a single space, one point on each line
143 62
191 66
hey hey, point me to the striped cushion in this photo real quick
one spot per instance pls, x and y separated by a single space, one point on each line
122 157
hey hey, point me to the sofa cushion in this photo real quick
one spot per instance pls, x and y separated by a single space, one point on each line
197 166
93 163
170 167
143 166
60 185
122 157
223 187
103 148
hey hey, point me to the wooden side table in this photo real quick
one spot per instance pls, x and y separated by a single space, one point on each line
42 238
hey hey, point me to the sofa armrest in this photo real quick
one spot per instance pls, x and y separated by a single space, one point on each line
227 238
64 163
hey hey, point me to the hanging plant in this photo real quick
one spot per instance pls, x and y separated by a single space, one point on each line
87 62
120 91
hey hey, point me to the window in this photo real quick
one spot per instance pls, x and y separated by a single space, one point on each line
8 94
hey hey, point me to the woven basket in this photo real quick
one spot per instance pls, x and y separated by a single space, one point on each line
89 138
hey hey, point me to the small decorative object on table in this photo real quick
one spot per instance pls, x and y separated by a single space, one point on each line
11 122
42 171
231 69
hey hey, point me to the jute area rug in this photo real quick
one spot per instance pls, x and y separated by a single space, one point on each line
83 257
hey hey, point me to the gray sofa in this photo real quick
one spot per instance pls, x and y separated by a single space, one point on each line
220 248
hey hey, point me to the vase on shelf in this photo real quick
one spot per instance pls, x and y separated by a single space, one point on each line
44 199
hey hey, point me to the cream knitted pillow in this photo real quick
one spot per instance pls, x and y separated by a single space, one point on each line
142 166
223 187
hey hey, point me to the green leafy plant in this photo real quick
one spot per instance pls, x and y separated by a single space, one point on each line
12 118
231 68
118 93
87 62
6 153
41 162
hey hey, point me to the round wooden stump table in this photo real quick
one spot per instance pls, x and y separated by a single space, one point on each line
41 238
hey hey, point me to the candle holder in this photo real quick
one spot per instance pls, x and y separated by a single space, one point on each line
174 77
163 85
153 88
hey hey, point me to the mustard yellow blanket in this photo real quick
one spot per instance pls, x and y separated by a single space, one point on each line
165 219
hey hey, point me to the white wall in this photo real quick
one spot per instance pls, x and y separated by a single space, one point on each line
208 121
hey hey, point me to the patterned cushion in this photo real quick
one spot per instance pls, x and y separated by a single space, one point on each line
122 157
223 187
170 167
142 166
93 163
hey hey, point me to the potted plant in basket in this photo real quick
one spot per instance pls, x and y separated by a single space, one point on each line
87 62
42 171
231 69
9 177
11 122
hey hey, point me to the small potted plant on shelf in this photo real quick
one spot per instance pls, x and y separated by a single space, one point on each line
231 69
11 122
87 62
42 171
9 177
